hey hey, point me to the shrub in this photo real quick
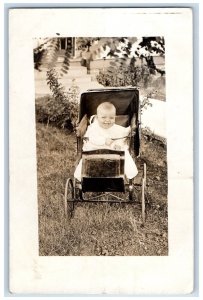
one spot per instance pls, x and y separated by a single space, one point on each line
61 108
41 109
124 75
145 103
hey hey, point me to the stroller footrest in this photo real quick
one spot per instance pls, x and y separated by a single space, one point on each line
102 165
105 184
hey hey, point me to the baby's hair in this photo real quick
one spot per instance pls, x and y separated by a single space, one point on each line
106 106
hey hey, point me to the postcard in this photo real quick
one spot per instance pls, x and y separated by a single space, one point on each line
101 151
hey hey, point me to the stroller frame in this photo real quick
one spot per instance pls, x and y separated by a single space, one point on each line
75 191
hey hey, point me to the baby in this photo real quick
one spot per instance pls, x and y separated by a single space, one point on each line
103 133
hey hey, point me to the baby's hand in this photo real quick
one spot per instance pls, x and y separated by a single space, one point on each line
117 147
108 141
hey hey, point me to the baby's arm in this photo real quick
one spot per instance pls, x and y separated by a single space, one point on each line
93 137
121 143
96 139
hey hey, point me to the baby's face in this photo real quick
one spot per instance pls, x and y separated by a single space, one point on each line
106 118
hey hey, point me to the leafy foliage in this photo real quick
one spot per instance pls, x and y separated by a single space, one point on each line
38 55
60 109
66 63
145 103
121 74
85 42
123 46
153 44
47 54
51 55
115 46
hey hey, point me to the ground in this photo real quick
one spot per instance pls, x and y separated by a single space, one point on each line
102 228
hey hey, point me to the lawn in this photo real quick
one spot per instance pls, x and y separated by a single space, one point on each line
101 228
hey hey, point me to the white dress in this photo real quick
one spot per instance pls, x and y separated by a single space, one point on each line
96 140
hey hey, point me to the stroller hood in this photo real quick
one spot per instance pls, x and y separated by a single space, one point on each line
126 101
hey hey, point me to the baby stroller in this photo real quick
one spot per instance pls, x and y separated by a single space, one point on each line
103 175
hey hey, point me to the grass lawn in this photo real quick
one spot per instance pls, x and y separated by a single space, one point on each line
101 228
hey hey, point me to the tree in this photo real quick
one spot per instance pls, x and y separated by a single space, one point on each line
117 47
153 45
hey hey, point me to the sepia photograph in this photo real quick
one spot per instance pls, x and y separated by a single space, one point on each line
101 145
101 151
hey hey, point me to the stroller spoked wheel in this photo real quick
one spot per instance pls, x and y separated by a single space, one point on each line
69 198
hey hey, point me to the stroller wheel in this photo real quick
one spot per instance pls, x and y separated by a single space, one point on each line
69 198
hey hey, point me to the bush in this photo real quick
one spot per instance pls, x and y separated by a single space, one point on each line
61 108
124 75
41 109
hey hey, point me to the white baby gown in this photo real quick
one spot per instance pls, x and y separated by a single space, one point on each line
96 140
